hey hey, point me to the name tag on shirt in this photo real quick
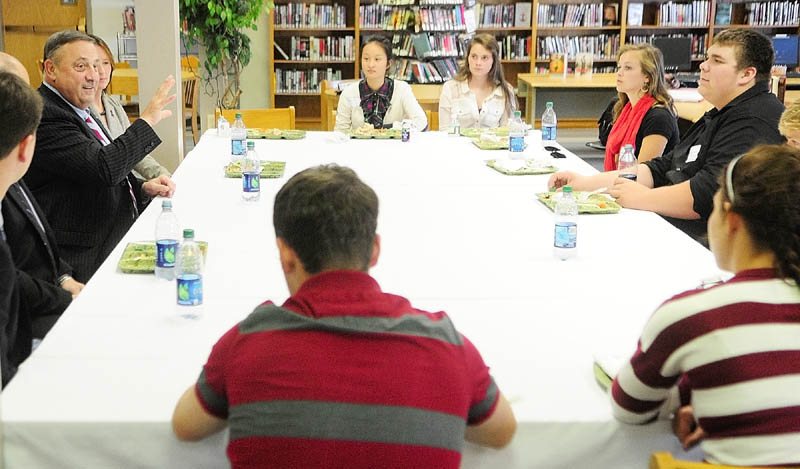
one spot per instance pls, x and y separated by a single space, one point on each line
693 152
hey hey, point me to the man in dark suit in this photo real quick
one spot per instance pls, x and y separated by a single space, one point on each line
80 177
45 282
20 110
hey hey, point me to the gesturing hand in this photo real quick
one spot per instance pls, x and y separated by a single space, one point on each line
155 111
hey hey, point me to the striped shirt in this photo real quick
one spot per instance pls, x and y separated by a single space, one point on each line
344 375
738 347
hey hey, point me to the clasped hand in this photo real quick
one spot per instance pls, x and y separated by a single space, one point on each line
162 185
628 193
686 429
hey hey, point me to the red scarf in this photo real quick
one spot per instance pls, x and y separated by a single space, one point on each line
625 129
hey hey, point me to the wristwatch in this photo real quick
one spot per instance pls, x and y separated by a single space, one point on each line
63 279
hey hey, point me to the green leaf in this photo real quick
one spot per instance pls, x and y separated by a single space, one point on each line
183 291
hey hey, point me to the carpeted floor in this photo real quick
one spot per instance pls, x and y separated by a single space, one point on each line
575 140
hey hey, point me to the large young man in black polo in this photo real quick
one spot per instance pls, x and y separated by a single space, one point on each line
681 184
343 374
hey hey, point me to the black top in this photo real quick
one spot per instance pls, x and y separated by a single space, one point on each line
15 336
658 121
37 259
720 135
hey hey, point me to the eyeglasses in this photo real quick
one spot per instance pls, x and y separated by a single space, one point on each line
729 177
554 152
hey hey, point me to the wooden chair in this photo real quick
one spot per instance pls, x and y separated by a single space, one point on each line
433 120
328 102
777 85
279 118
190 98
121 65
191 63
666 461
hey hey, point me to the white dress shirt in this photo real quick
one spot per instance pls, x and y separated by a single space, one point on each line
457 98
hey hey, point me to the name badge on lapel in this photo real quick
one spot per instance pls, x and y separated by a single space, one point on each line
693 152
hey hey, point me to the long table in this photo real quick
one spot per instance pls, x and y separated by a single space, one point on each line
456 235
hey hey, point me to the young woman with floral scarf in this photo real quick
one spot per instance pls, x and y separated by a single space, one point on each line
378 100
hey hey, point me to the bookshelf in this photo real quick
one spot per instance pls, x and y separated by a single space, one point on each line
322 40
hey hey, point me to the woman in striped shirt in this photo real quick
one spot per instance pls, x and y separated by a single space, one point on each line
735 347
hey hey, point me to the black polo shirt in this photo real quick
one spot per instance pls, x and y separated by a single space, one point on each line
720 135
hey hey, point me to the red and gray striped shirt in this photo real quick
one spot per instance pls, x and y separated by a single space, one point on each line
344 375
738 346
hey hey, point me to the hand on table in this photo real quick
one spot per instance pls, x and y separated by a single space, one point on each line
628 193
686 429
73 286
561 179
162 185
155 111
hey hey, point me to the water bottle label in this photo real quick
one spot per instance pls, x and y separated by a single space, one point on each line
190 290
165 252
405 135
566 235
516 144
238 147
251 182
548 133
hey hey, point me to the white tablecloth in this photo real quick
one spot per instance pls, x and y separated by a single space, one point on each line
456 236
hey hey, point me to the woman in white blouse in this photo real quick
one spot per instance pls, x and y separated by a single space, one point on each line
479 95
378 100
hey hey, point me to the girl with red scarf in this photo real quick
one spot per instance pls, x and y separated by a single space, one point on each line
644 116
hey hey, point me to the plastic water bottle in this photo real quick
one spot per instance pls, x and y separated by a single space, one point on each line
189 275
566 226
516 136
549 123
455 124
167 235
238 139
223 127
628 166
251 174
406 132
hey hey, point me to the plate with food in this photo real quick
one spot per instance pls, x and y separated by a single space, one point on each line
269 169
275 134
368 131
594 203
521 167
491 142
140 257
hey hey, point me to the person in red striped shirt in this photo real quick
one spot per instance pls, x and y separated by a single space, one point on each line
734 347
343 374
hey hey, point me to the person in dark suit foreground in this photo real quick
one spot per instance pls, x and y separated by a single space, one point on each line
46 286
20 110
80 176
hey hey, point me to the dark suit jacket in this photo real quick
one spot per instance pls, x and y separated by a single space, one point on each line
37 260
15 337
81 184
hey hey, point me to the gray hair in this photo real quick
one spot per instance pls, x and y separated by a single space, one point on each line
62 38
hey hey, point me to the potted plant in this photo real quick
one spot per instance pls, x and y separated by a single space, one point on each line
217 26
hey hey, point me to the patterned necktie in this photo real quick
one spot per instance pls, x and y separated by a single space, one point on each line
94 128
